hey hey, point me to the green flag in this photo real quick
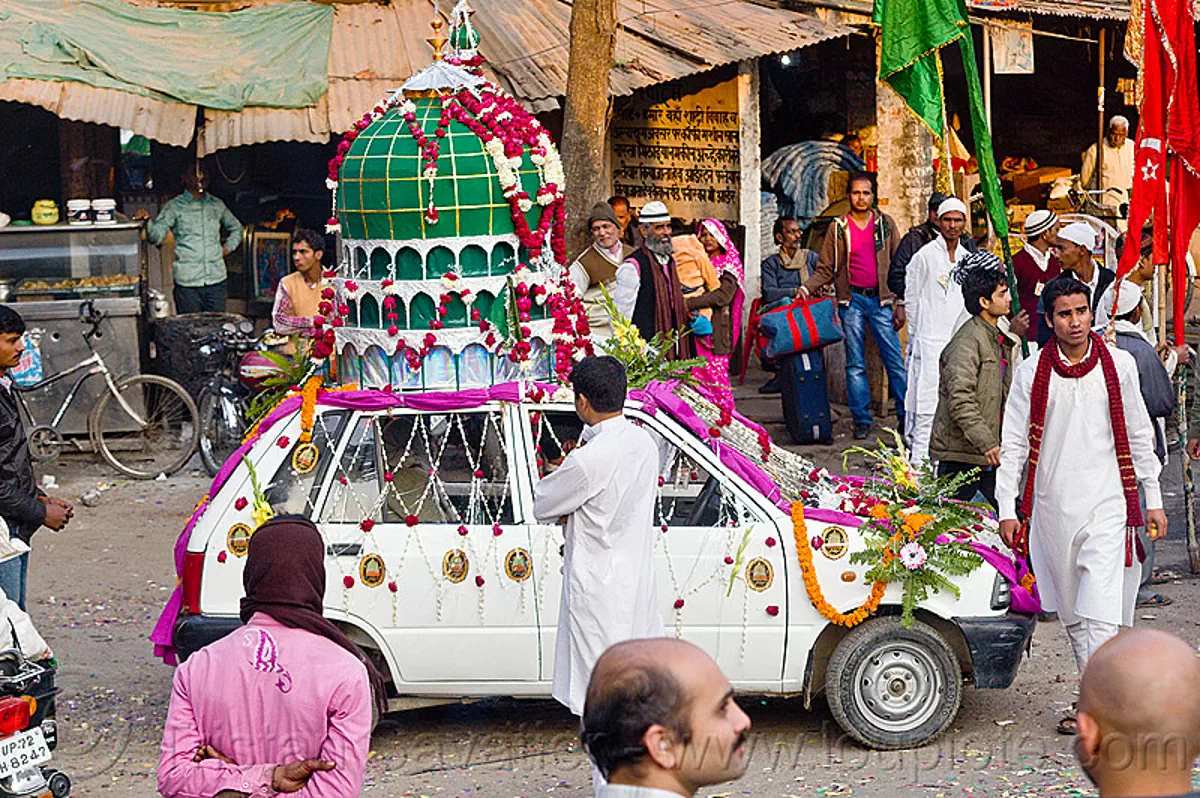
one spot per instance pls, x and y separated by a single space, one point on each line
913 32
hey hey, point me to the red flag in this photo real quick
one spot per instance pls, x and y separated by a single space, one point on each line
1170 120
1150 152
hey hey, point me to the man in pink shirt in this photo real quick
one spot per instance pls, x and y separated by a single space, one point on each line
283 703
855 257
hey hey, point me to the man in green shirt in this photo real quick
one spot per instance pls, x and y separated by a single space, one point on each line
198 221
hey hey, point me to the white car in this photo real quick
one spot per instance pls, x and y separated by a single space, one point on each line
437 568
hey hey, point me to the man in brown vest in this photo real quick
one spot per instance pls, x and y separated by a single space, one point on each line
597 265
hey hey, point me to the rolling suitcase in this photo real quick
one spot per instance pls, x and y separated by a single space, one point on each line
805 395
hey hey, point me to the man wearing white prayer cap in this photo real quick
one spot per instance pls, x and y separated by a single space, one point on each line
1076 243
1036 264
934 304
1158 395
1117 180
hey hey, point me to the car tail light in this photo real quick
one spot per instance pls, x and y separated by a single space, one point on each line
193 570
14 716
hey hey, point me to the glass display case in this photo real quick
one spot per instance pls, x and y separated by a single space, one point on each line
46 273
65 262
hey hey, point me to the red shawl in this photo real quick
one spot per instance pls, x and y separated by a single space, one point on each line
1051 359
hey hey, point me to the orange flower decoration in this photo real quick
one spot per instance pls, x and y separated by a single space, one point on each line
1027 582
879 512
809 573
308 408
917 521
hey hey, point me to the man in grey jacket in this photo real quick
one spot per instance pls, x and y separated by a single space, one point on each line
1158 395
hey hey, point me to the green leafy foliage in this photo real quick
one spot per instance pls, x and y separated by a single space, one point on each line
275 387
917 532
645 361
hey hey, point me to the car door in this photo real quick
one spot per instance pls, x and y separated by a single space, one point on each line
419 511
709 517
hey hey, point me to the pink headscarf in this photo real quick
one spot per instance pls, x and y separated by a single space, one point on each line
729 260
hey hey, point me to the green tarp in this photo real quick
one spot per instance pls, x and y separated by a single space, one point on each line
274 56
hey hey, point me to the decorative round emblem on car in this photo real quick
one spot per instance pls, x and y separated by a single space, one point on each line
517 565
238 539
455 565
837 543
371 570
759 574
304 458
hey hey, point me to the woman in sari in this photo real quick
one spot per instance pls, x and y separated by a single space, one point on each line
726 305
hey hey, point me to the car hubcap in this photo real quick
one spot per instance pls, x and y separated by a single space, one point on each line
898 687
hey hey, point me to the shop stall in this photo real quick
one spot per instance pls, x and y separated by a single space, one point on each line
48 272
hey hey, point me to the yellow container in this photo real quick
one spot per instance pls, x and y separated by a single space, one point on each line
44 212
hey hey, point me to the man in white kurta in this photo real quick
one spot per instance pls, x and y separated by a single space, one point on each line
934 304
1078 529
606 488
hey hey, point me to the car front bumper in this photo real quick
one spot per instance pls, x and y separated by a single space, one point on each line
194 632
995 645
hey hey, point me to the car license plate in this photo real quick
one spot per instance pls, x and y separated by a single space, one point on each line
23 750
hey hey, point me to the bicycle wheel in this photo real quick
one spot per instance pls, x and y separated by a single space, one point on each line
219 434
160 440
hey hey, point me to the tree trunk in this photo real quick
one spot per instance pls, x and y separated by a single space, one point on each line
585 115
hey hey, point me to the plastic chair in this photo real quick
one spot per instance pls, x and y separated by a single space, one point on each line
751 337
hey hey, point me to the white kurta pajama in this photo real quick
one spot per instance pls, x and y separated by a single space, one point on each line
1077 534
934 304
607 489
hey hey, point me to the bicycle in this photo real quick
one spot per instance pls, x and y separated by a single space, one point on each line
144 426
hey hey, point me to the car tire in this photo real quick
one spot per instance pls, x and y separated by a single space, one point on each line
890 687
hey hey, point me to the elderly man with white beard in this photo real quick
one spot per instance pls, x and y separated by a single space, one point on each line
648 290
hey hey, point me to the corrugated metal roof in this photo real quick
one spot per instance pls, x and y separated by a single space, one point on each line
170 123
1115 10
376 47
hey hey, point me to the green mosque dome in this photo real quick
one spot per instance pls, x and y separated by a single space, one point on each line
383 195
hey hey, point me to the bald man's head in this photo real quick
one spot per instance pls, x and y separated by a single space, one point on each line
660 713
1139 708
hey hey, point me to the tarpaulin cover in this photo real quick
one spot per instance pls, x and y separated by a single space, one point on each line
274 56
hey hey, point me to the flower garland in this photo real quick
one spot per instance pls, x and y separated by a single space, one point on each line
809 573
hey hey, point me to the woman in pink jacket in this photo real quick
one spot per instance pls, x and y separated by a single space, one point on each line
283 703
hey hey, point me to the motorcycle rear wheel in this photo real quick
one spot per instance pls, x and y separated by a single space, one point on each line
219 438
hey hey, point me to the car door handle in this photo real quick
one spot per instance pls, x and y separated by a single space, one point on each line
344 549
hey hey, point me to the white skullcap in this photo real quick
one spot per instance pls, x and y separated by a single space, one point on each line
950 206
1079 233
654 212
1129 298
1039 222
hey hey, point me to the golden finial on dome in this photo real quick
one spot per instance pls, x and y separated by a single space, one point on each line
437 41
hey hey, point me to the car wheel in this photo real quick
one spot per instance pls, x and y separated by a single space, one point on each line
890 687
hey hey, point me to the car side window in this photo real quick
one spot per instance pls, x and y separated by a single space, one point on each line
688 494
442 469
358 480
293 489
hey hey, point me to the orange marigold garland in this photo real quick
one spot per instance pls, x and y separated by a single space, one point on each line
809 573
308 409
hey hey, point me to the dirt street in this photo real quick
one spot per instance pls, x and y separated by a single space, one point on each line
96 590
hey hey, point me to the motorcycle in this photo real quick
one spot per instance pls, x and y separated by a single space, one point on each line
28 731
226 396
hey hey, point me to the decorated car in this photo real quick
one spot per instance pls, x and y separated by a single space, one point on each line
454 329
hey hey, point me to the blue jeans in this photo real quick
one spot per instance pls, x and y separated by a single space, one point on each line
12 578
864 311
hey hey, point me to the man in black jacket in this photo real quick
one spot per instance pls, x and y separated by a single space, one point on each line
22 506
913 240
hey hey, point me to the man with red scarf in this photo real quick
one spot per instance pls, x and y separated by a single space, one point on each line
1076 429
